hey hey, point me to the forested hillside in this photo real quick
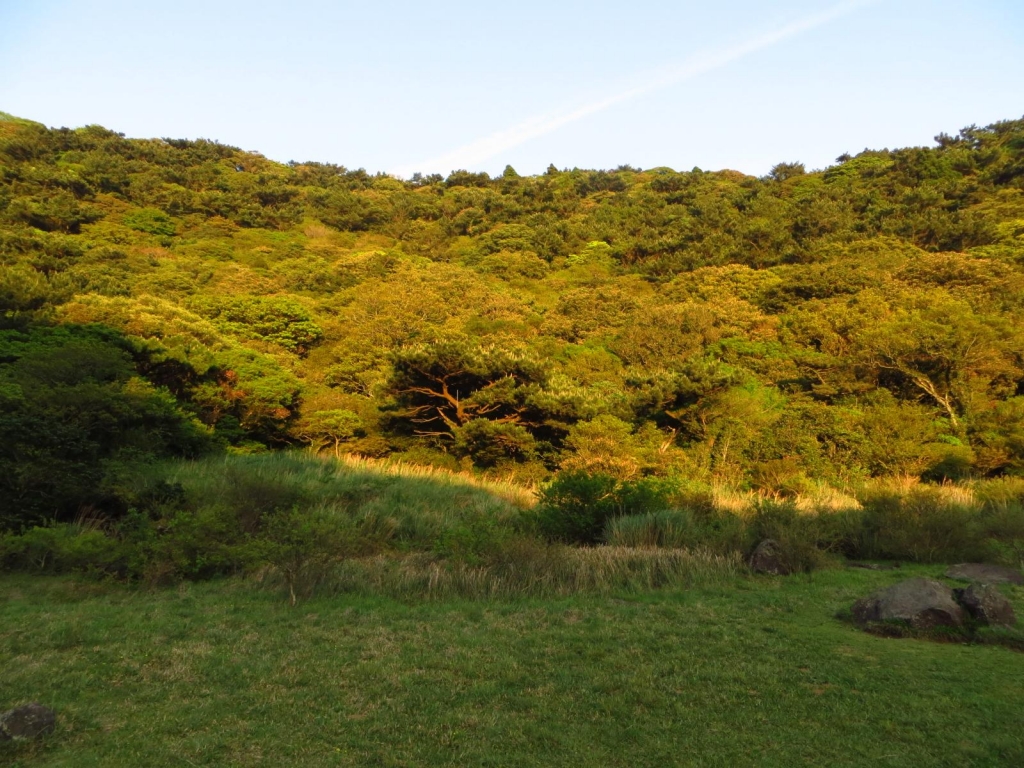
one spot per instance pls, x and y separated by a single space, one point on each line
174 298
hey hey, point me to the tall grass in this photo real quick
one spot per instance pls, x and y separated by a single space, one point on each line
525 570
891 520
378 527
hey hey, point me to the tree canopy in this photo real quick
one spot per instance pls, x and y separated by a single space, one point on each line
171 296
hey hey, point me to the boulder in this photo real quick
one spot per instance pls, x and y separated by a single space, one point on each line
920 603
986 605
26 722
767 558
985 573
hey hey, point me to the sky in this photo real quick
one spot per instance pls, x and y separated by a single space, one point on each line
433 86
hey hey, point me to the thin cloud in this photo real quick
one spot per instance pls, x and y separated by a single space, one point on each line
484 149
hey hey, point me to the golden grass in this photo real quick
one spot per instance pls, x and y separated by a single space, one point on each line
824 498
317 231
521 495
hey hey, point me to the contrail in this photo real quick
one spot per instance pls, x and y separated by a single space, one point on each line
540 125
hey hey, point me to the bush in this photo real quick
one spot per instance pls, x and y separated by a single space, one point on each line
299 542
577 506
62 548
474 539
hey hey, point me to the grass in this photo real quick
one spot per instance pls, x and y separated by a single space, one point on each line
378 528
419 500
520 494
523 570
748 672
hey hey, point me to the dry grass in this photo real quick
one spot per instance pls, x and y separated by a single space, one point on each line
824 498
910 488
317 231
521 495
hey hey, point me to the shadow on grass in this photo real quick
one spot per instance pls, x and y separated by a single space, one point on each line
971 633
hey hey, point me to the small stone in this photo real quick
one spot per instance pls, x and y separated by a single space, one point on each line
767 558
986 605
27 722
985 573
919 603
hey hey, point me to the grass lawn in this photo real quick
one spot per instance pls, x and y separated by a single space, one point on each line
756 672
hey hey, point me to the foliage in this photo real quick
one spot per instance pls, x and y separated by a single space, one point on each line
76 418
577 506
312 526
772 333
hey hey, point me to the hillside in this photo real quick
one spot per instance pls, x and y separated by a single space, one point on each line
173 298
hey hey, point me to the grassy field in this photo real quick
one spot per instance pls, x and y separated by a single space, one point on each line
749 672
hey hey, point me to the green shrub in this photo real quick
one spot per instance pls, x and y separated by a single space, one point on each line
61 548
577 506
301 543
474 539
150 220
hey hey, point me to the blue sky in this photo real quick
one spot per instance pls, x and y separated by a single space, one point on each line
435 85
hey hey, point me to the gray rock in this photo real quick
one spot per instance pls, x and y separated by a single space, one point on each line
985 573
27 722
986 605
767 558
920 603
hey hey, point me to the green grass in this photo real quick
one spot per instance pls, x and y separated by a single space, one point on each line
418 502
749 672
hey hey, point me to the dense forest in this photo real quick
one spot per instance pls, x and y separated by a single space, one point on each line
165 297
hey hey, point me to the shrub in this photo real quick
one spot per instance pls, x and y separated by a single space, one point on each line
577 506
298 542
150 220
473 539
61 548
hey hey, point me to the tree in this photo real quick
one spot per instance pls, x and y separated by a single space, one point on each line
441 387
330 428
941 347
74 415
786 171
278 319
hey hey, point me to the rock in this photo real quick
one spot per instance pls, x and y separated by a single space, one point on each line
921 603
767 558
26 722
985 573
986 605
